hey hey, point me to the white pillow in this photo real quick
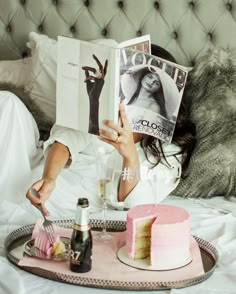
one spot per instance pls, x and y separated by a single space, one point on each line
41 84
15 72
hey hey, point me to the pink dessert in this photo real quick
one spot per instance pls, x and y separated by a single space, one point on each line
161 232
42 243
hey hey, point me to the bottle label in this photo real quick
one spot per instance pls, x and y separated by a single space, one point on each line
81 228
81 257
75 257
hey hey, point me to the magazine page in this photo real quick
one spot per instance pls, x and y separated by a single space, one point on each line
85 84
152 90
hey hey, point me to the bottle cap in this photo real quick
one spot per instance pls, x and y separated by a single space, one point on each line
83 202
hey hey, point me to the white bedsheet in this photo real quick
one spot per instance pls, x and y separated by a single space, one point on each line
214 220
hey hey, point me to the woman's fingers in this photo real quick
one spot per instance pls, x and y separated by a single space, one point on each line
124 119
109 135
44 188
45 211
119 130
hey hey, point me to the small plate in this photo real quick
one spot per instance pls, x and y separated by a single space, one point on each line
145 262
32 251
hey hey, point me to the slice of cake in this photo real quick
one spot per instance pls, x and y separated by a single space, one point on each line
161 232
42 243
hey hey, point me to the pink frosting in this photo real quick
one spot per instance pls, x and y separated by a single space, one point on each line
170 233
167 214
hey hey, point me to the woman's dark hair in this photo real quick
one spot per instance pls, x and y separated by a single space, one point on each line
158 95
185 131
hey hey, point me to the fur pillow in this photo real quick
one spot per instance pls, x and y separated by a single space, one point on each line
212 88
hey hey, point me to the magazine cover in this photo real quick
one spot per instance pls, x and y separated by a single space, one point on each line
152 90
88 82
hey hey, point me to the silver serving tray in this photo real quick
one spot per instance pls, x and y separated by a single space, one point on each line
19 237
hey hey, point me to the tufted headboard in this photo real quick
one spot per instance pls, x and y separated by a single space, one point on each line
186 28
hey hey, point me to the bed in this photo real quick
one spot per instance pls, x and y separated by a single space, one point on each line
201 35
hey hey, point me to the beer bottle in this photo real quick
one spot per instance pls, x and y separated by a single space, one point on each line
81 239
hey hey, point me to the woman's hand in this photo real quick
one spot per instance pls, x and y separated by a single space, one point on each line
122 140
57 157
44 188
125 144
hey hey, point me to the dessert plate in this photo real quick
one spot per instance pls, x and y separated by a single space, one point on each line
145 262
32 251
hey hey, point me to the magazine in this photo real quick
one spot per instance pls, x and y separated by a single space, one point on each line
93 78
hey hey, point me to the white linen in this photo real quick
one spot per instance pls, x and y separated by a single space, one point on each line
214 224
18 152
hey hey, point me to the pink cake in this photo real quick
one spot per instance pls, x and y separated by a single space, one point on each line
161 232
42 243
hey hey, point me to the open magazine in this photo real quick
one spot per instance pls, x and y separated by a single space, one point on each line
92 79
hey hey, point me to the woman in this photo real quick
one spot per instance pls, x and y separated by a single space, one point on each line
146 169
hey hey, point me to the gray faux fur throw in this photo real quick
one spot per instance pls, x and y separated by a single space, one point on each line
43 122
212 88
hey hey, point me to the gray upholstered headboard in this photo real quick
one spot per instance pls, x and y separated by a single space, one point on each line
186 28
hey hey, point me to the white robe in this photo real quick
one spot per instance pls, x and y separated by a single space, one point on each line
88 153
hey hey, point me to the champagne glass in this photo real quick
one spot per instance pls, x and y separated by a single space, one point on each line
105 181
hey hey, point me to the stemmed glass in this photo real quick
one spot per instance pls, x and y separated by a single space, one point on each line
105 172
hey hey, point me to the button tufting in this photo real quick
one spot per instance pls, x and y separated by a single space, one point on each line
229 6
210 36
55 2
192 63
174 35
72 29
22 2
24 54
8 28
120 4
104 32
86 3
156 5
139 33
40 28
191 4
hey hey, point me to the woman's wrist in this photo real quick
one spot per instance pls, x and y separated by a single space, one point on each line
49 179
131 160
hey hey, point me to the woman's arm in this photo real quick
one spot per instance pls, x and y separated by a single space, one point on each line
129 177
124 142
57 158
